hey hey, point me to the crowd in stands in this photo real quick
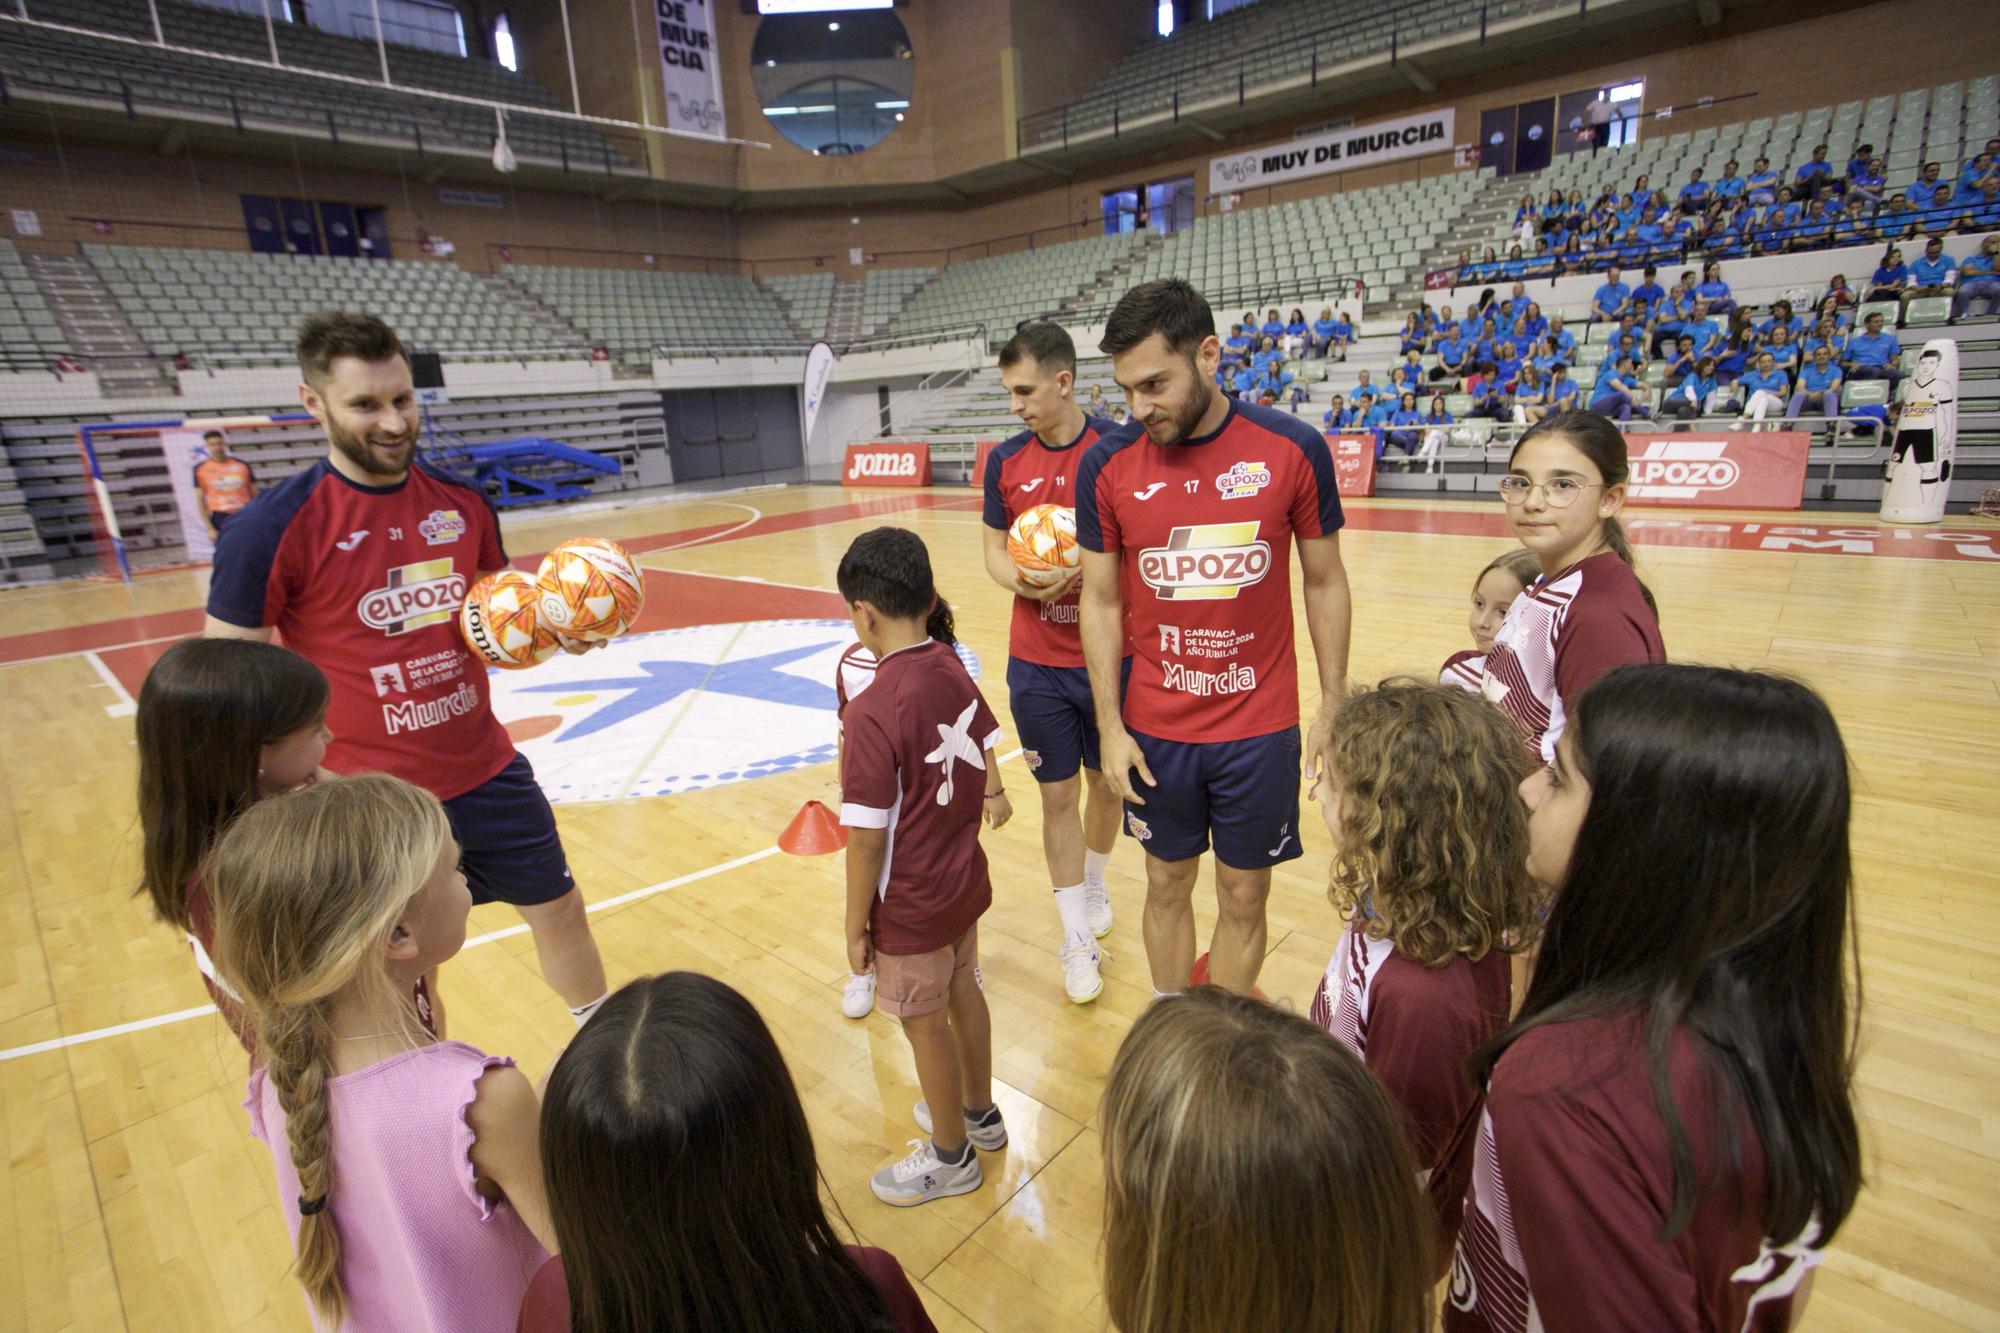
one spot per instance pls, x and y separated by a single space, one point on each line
1762 213
1254 355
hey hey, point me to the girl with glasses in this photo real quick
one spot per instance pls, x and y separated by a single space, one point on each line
1588 613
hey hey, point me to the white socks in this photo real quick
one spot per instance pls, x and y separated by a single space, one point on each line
583 1012
1094 864
1074 909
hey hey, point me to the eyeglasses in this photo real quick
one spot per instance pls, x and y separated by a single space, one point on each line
1560 492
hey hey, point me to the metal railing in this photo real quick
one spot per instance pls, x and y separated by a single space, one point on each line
716 351
1234 75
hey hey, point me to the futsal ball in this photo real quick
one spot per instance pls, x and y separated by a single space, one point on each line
590 589
501 621
1042 545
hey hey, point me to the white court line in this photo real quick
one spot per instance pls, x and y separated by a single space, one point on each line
101 648
124 707
756 515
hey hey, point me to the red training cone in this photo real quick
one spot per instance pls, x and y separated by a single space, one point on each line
814 831
1199 977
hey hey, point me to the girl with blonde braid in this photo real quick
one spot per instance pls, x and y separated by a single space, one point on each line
407 1166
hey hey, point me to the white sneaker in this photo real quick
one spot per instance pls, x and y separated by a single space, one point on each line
921 1177
986 1138
1097 902
859 997
1081 979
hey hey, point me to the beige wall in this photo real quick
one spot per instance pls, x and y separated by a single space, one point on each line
957 124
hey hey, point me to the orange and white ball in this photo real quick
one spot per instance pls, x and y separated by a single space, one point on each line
1042 545
590 589
501 622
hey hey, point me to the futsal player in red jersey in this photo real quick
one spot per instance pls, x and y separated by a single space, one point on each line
361 563
1048 688
1668 1140
1193 509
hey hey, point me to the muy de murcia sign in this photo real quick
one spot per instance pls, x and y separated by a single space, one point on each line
1337 150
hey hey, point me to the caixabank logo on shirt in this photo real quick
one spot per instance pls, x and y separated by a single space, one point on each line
427 592
1206 562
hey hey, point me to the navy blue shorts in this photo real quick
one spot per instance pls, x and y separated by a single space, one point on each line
1243 793
1055 717
508 845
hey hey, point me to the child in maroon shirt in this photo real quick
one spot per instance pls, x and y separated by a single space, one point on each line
1668 1140
1430 849
918 772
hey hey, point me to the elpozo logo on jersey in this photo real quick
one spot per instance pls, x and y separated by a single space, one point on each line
1243 481
425 593
1206 562
1682 469
442 526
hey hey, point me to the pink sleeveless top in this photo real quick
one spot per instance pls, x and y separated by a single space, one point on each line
421 1252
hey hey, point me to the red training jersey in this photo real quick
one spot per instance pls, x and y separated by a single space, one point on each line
915 764
367 582
1572 1181
1022 473
1205 530
1415 1027
226 484
1560 636
1465 669
855 673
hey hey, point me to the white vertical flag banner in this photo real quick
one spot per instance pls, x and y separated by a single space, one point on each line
688 61
819 368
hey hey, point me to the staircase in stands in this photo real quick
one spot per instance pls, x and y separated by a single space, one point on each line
1483 218
1112 282
98 329
558 330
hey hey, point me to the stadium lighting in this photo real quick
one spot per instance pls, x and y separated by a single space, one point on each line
819 6
503 44
891 106
1166 22
833 27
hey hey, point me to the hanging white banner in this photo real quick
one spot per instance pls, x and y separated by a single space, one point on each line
688 63
1337 150
819 368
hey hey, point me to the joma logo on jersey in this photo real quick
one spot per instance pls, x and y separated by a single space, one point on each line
1206 562
1682 469
443 525
882 465
1243 481
425 593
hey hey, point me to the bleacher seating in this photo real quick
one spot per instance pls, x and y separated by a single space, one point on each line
632 311
806 297
30 338
1003 290
1254 46
42 61
884 293
233 308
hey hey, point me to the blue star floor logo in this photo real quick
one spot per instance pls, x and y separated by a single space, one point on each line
679 710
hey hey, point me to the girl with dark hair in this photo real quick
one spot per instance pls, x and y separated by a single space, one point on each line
682 1183
1668 1139
222 723
1416 785
1255 1178
1588 613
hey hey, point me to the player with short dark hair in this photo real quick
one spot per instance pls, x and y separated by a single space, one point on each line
1048 688
222 483
1194 509
361 563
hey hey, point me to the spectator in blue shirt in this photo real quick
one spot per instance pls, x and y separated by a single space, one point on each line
1610 299
1782 316
1244 381
1363 386
1827 333
1403 426
1819 388
1338 417
1979 279
1783 349
1562 389
1531 397
1375 418
1343 334
1762 183
1296 331
1945 213
1411 336
1451 354
1731 186
1436 429
1689 398
1863 154
1713 291
1682 364
1646 297
1507 362
1564 340
1854 226
1706 335
1922 190
1890 278
1768 389
1872 354
1274 328
1934 274
1616 393
1236 347
1408 375
1266 357
1977 172
1812 171
1866 183
1985 210
1696 193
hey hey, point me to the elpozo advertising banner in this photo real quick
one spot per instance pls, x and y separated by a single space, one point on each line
1726 470
688 65
1337 150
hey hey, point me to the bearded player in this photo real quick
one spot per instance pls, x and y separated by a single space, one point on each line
1047 687
361 563
1193 511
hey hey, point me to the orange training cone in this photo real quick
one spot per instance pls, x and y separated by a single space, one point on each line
1199 977
814 831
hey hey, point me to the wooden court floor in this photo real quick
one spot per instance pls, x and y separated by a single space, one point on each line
133 1196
